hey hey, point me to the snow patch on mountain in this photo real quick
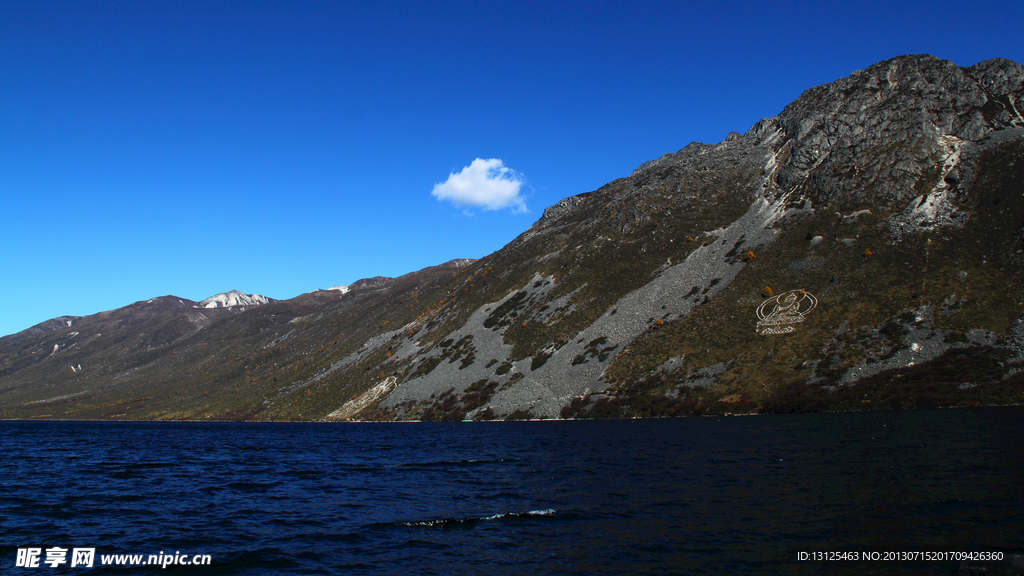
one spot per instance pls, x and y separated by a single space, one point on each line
343 289
233 298
458 263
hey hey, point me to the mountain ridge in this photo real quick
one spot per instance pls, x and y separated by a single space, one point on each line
856 251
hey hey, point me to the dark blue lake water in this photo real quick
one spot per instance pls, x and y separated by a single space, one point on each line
740 495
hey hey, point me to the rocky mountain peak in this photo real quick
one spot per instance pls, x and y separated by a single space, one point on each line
891 132
900 136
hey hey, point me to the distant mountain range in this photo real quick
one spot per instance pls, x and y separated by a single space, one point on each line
864 249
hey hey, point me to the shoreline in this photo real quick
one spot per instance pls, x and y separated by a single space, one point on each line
727 415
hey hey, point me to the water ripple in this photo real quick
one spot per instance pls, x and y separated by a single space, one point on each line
713 496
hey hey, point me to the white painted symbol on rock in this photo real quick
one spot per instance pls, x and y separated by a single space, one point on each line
789 308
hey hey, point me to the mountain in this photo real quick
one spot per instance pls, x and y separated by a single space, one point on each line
863 249
232 299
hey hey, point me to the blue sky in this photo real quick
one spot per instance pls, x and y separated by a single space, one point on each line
191 148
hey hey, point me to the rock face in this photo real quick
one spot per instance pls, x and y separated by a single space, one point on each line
885 134
880 136
858 251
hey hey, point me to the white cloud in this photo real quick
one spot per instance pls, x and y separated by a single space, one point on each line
486 184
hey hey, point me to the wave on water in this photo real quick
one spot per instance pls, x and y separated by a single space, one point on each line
449 522
451 463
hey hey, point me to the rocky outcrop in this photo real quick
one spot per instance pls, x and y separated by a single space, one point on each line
893 131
